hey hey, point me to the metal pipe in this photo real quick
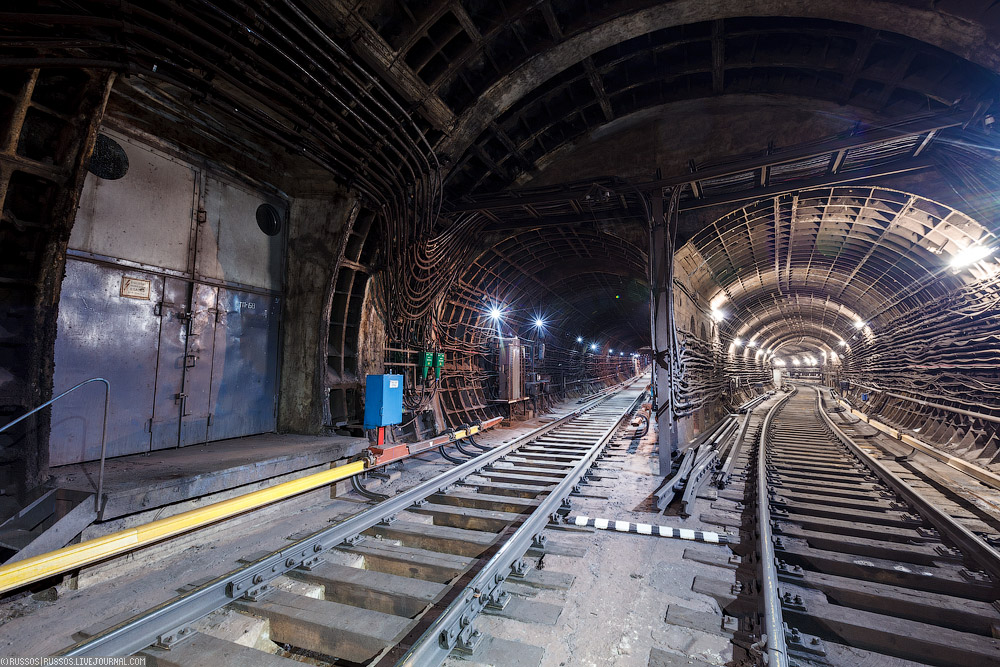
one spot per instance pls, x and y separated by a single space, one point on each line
104 427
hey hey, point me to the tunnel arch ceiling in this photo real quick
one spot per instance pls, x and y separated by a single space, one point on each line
828 264
811 75
581 282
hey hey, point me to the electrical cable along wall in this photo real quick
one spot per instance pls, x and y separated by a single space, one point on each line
945 357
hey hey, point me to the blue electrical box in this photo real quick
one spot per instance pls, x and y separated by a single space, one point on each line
383 400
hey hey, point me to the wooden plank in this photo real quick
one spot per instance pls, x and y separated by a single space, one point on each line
486 501
525 469
468 518
331 628
940 609
409 562
369 589
516 490
932 579
516 478
528 611
903 638
202 649
442 539
856 528
921 554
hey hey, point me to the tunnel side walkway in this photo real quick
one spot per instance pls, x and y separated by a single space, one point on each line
141 482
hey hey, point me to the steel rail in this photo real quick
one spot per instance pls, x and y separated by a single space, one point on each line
165 619
692 456
964 539
726 469
774 629
455 624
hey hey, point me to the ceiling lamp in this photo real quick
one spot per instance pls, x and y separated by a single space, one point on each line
971 255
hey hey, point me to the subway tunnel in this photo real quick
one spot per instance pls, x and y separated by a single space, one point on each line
231 229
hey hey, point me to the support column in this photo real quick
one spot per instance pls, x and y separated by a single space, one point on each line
662 236
318 231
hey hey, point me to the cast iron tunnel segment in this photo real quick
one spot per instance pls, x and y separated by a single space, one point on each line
851 560
423 583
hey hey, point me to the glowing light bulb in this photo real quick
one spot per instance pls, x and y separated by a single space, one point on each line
971 255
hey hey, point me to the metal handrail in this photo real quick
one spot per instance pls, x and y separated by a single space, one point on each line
104 427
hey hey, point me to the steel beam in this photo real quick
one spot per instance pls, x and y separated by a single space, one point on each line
661 250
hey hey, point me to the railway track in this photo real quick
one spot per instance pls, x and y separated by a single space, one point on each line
432 558
847 563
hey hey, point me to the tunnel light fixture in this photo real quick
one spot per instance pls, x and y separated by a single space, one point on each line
843 343
737 342
579 339
539 323
611 351
971 255
795 362
860 324
718 314
593 346
496 312
621 354
751 343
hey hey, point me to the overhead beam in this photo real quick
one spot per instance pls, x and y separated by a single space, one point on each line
797 153
389 64
635 216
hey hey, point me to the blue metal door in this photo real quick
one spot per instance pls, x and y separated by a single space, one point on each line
244 378
198 365
108 327
174 318
184 373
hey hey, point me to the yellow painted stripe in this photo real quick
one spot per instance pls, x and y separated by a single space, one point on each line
30 570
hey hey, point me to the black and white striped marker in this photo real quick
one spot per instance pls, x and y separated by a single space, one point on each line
649 529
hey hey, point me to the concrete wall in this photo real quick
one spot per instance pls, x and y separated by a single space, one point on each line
318 229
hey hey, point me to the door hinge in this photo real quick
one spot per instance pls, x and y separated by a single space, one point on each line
149 425
202 216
